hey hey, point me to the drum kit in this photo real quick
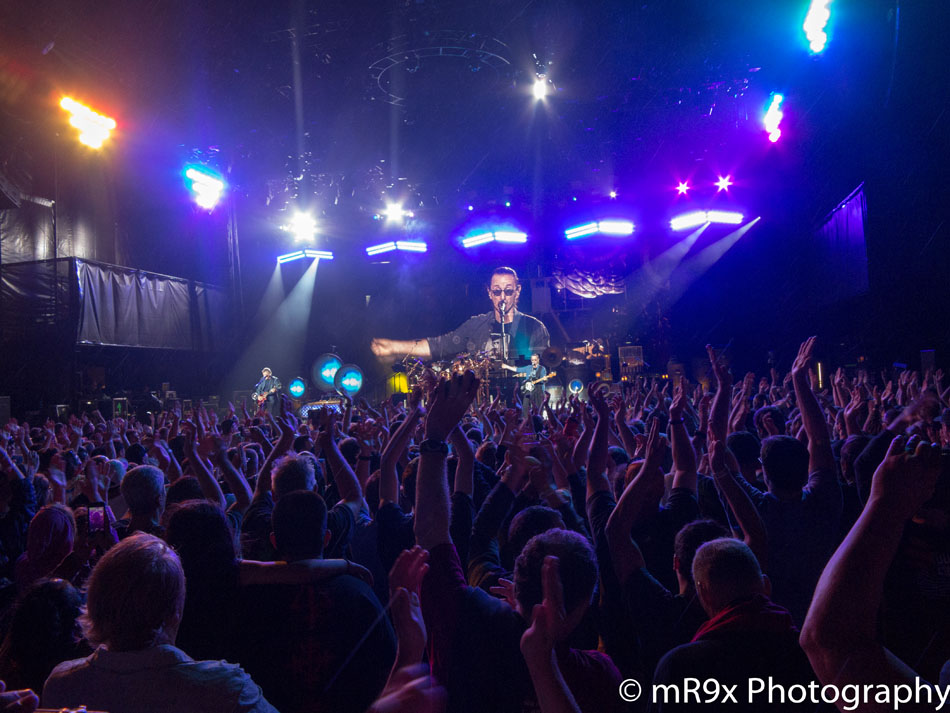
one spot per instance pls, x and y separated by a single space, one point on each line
486 366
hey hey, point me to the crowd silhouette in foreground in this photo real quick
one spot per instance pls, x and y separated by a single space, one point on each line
439 554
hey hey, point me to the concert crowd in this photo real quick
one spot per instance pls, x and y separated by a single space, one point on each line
443 552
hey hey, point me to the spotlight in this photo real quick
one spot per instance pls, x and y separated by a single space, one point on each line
615 227
510 236
576 386
613 194
471 207
395 214
507 204
411 246
206 185
723 183
604 227
540 89
724 217
682 188
319 254
691 220
348 379
815 22
303 226
498 236
381 248
480 239
324 369
94 128
773 117
301 254
297 387
688 220
290 257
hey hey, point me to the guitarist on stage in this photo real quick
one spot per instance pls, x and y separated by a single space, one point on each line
531 373
267 392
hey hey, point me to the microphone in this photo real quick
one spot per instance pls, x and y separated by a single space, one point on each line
502 307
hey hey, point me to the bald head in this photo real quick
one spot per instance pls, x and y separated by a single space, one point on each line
725 570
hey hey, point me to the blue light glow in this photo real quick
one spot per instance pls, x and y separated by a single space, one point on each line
604 227
206 185
815 23
773 117
297 387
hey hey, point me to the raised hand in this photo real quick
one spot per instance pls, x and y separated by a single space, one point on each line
451 399
907 476
806 355
549 618
405 589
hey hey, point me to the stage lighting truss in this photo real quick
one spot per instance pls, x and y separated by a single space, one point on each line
611 227
407 246
94 128
494 236
305 254
410 52
701 217
206 185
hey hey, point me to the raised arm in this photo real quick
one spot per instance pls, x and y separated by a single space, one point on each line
643 491
346 481
597 462
840 631
819 442
388 470
719 418
450 401
684 457
747 515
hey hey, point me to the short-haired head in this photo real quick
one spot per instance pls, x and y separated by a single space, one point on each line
530 522
578 569
724 571
299 525
293 472
690 538
143 489
784 464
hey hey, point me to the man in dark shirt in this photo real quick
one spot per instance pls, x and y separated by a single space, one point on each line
267 389
747 636
326 646
504 331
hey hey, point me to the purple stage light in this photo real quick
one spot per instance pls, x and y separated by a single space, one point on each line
773 117
723 183
682 188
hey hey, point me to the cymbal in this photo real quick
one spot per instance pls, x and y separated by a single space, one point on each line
552 357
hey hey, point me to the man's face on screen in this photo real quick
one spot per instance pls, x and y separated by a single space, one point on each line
504 289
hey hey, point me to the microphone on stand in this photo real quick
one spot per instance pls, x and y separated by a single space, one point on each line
502 307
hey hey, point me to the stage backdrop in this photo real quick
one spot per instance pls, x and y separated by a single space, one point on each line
90 303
